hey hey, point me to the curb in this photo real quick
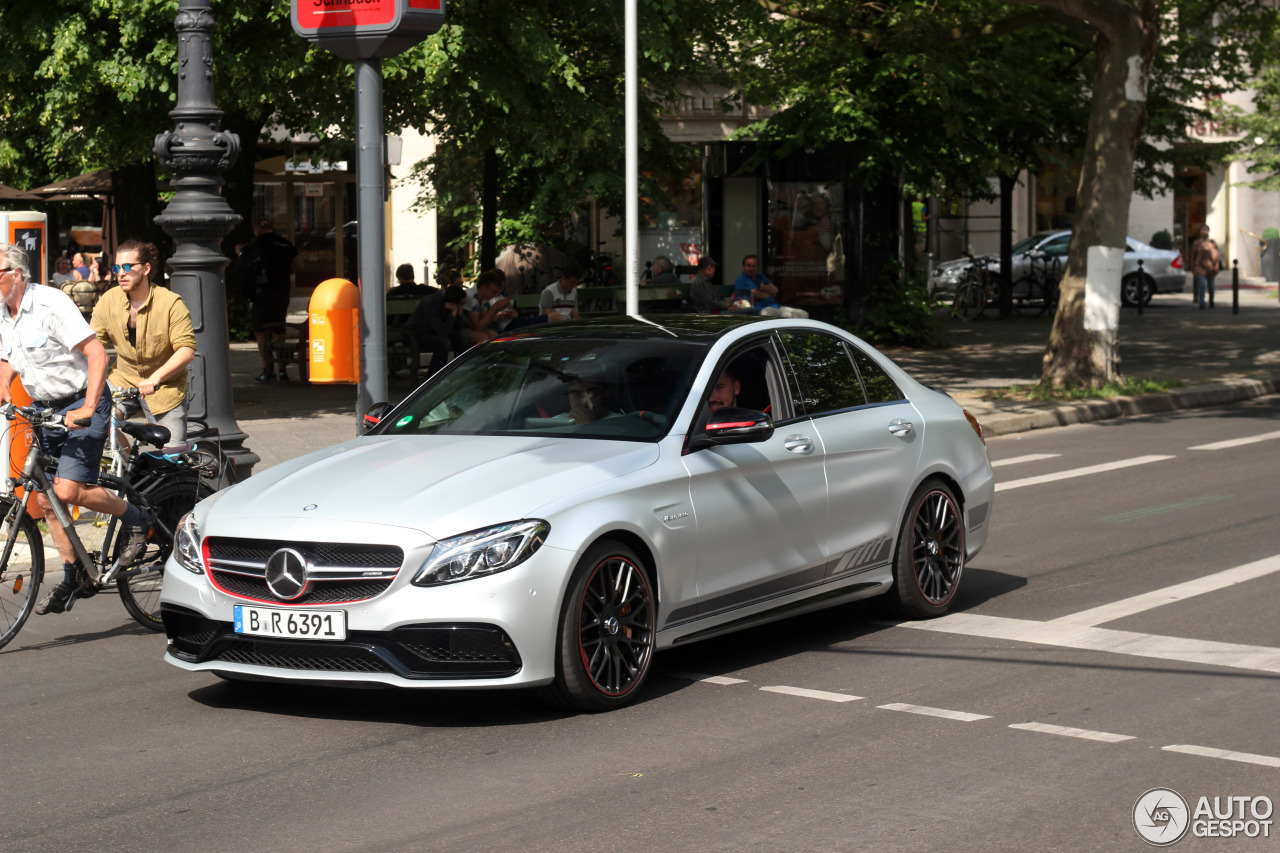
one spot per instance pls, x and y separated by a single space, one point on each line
1087 411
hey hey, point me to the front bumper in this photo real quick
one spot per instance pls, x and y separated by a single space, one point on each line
496 631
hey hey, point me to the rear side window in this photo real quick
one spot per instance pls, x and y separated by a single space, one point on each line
827 379
880 388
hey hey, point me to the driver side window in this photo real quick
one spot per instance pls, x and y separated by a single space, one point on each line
751 379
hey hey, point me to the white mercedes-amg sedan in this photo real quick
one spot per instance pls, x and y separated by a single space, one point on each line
559 504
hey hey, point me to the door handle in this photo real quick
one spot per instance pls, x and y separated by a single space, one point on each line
798 443
901 427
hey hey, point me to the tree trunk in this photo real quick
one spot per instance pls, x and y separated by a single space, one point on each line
1127 35
136 202
878 256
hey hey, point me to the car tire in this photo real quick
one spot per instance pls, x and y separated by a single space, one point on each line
605 642
1129 291
929 560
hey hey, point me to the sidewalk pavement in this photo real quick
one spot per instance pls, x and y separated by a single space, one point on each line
1219 357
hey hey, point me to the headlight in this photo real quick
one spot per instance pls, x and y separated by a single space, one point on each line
187 544
482 552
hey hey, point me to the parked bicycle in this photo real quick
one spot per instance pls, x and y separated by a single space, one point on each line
169 485
1037 291
976 289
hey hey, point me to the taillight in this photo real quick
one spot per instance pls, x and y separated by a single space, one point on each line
1177 262
977 427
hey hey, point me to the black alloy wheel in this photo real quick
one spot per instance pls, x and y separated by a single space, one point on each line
606 639
931 553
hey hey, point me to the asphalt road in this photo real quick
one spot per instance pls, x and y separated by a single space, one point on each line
1031 719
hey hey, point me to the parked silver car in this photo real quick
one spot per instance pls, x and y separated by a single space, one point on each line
1162 268
559 504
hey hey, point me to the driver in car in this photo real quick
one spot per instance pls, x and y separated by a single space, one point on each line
725 391
588 400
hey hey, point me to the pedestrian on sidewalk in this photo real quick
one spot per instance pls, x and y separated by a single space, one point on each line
1206 262
267 264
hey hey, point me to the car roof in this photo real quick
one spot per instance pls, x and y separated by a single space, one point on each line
694 328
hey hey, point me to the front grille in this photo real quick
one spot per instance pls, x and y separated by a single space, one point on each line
414 651
338 572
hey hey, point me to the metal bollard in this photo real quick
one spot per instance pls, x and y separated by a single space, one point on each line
1235 286
1141 287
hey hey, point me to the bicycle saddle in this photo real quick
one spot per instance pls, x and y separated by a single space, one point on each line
153 434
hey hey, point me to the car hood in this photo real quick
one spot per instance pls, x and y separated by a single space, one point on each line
441 485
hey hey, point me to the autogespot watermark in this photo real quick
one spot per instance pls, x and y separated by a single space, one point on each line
1162 817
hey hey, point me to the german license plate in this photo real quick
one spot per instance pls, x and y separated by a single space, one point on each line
295 624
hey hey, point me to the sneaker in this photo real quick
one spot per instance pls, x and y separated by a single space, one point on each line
137 545
265 376
284 376
56 600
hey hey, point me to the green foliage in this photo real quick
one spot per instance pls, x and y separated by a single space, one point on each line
1162 240
238 319
1050 393
898 313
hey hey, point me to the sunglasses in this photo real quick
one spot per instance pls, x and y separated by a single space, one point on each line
119 268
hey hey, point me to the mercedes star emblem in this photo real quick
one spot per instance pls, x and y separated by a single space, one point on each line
287 574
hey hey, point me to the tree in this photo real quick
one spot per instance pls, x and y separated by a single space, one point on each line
1206 45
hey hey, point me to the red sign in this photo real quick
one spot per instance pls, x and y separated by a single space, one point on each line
362 29
322 14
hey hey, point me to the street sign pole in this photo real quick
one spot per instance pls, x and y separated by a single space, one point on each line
366 32
370 196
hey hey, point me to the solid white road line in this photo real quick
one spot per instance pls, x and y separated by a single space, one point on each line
1237 442
1080 472
812 694
708 679
1065 731
1030 457
962 716
1171 594
1207 752
1233 655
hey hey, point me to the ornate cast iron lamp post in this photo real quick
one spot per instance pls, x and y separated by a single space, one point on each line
197 153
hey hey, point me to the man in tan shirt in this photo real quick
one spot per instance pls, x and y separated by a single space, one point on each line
150 328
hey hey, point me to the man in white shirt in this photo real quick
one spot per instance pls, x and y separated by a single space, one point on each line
45 340
561 297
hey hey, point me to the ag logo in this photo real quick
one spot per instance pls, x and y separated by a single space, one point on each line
1161 816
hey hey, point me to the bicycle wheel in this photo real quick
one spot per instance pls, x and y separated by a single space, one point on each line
139 585
20 574
970 301
1028 296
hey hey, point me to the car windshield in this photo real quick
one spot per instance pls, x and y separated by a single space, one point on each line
623 389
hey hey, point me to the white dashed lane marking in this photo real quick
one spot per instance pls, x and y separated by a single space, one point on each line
1030 457
1237 442
811 694
1226 754
962 716
1080 472
708 679
1067 731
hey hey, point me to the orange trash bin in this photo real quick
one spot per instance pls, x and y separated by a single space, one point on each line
333 325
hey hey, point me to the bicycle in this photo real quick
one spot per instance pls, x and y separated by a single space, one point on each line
975 290
1037 291
170 487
